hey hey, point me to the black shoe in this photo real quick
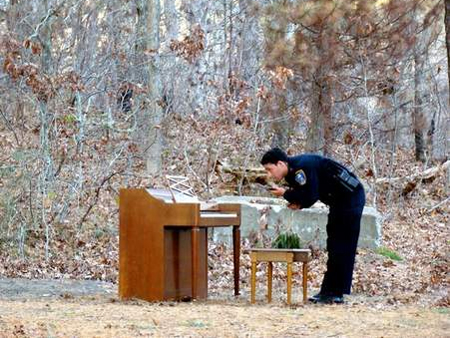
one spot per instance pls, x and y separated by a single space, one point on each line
326 299
315 298
330 300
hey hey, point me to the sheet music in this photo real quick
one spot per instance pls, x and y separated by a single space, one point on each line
167 196
208 209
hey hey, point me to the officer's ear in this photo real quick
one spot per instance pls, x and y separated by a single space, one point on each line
283 165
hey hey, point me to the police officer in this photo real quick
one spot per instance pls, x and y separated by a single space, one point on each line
311 178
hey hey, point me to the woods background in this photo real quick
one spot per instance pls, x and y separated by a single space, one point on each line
96 96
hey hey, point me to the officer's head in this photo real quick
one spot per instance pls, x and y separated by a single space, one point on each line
275 163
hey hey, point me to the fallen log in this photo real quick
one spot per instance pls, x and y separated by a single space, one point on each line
250 175
410 182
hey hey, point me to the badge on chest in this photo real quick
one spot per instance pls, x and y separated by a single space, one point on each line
300 177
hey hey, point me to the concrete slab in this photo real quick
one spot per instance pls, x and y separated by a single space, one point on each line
271 214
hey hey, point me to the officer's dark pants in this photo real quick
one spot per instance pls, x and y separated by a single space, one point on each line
344 221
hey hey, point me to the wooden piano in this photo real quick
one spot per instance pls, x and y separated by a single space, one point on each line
163 245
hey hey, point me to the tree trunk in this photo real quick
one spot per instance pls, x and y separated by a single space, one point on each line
46 40
171 19
320 131
141 43
280 127
46 177
12 15
276 107
447 42
154 161
247 55
147 50
418 112
421 89
447 39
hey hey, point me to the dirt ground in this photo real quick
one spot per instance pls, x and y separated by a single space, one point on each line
49 308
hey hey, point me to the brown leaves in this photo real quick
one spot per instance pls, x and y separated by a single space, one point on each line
93 258
369 172
439 268
36 47
19 331
235 110
263 93
279 76
443 302
9 45
410 186
191 47
10 68
37 82
42 85
348 138
70 80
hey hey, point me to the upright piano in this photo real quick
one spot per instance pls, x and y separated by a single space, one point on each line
163 244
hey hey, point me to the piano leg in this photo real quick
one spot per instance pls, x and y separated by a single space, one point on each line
195 265
236 254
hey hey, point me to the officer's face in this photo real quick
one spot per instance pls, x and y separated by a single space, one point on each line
276 171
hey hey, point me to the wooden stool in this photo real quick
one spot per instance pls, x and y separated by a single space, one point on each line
279 255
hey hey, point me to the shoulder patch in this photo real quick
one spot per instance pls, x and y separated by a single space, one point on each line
300 177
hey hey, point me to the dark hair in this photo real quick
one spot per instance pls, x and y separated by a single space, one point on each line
273 156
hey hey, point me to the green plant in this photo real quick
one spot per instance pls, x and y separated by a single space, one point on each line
386 252
442 310
196 323
287 240
71 118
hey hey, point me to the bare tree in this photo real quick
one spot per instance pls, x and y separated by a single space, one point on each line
447 38
149 17
171 21
43 33
425 28
248 49
276 106
155 89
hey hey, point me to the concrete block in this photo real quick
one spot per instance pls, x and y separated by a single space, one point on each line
272 214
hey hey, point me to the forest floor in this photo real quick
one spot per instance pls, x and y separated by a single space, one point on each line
70 308
399 290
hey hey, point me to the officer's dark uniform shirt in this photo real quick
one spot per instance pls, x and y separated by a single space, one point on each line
313 177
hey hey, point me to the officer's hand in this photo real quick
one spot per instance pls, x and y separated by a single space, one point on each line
277 191
294 206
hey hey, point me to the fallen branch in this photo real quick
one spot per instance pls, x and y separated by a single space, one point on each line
438 205
410 182
431 172
252 175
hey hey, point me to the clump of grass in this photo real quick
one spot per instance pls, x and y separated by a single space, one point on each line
196 323
442 310
287 240
386 252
